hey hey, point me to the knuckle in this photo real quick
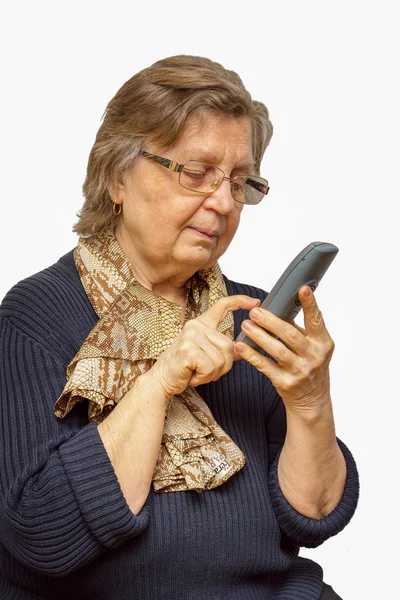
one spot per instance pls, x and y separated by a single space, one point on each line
228 364
325 353
292 335
226 358
259 363
189 333
226 344
190 325
217 368
184 347
318 363
317 319
331 346
281 352
285 385
305 369
185 360
218 363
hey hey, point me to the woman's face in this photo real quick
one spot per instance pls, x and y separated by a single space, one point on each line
161 222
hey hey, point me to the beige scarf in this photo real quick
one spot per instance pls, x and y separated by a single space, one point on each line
135 326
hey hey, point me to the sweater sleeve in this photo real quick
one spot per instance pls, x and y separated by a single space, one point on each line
305 531
61 505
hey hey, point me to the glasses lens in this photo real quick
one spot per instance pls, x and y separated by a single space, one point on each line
200 177
249 190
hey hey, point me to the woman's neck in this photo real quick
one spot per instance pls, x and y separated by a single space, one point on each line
172 288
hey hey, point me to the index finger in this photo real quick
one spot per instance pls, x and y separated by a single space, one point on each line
218 311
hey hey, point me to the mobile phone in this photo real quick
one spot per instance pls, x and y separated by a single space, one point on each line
307 268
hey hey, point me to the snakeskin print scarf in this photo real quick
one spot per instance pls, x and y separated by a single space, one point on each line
135 326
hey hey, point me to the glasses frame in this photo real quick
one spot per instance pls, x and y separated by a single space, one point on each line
172 165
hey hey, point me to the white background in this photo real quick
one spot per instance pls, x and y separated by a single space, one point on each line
329 74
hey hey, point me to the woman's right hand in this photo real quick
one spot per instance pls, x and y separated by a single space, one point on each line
200 353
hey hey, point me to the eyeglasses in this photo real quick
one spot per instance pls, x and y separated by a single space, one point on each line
203 178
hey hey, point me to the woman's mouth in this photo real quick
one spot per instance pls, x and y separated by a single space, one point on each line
205 233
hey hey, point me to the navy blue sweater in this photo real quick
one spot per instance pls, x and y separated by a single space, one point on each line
66 530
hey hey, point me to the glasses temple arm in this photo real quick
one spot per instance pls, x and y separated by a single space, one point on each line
165 162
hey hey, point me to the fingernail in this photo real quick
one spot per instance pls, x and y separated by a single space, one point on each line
307 291
255 313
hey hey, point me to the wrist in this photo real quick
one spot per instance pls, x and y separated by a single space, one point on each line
312 414
148 384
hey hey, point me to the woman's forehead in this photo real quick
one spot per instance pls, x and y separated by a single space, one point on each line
211 137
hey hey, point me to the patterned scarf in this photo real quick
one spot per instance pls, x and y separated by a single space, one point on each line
135 326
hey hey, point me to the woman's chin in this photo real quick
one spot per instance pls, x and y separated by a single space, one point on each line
199 257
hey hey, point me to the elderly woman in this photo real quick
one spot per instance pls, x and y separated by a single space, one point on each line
144 454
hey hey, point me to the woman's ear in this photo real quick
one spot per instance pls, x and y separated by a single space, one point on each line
116 191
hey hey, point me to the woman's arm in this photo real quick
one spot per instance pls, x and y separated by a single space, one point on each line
131 435
61 505
132 432
312 469
305 530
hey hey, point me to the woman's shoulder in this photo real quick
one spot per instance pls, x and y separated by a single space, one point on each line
234 287
51 305
48 291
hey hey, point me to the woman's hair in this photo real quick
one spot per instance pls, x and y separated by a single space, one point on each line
152 107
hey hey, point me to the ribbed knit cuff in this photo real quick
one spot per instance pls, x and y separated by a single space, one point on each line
306 531
97 490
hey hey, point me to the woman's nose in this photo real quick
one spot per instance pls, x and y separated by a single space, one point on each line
222 200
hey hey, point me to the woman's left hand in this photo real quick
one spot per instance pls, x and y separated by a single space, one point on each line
301 375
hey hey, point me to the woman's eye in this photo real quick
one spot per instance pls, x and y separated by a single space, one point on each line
195 175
